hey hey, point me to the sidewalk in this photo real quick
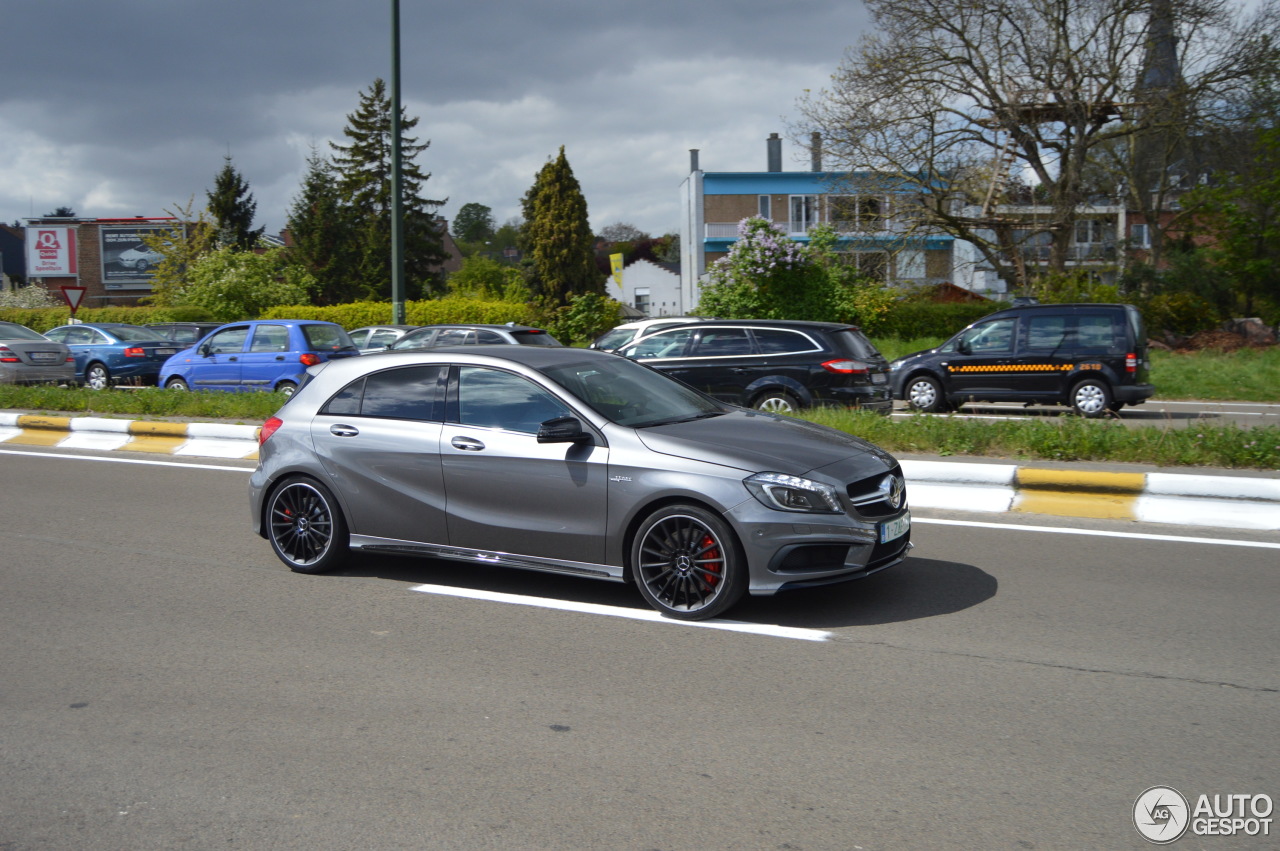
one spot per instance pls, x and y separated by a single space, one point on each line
1223 499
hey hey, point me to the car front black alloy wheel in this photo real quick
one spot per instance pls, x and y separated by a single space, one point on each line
687 563
306 527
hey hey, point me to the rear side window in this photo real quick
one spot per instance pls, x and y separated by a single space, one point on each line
1046 333
270 338
326 337
723 342
1097 331
399 394
778 341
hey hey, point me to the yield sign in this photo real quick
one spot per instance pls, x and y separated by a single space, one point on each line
73 295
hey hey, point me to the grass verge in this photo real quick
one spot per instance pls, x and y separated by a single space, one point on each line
1065 438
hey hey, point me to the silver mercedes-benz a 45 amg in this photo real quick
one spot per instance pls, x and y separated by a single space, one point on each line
571 461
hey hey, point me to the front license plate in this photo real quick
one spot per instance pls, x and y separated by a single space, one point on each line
166 351
896 528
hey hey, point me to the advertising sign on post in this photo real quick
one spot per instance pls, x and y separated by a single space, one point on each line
51 252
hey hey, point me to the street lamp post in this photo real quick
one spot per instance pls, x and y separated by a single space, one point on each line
397 202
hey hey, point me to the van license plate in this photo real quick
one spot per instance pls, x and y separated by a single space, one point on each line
896 528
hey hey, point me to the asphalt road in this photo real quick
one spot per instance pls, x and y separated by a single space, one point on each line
1153 412
165 683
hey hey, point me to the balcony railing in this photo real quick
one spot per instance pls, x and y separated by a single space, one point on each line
881 227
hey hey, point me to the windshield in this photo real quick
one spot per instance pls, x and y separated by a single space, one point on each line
10 331
633 395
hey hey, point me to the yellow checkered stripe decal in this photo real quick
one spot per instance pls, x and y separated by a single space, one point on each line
1015 367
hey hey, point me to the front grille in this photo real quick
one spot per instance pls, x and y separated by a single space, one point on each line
869 496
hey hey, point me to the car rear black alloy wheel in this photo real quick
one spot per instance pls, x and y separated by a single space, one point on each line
687 563
305 526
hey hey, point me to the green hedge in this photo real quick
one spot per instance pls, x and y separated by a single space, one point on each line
432 312
43 318
910 320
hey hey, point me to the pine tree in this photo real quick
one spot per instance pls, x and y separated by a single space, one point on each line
363 168
557 235
233 208
323 233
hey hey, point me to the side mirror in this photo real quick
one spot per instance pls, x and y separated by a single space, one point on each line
205 350
963 347
562 430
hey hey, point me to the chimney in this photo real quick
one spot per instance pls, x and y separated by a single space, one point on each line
693 160
774 144
815 151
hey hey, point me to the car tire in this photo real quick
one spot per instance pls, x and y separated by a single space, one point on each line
176 383
97 376
1090 398
924 394
776 402
687 563
288 388
305 526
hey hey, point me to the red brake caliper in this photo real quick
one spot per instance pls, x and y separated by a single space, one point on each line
711 571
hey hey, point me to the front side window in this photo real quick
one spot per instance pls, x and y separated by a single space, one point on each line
990 337
228 341
491 398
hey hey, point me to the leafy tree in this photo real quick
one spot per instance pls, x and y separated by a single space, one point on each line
60 213
235 285
765 275
180 245
232 207
474 223
557 235
486 278
952 98
364 178
622 232
324 236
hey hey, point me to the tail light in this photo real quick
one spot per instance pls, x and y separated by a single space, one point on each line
7 355
846 366
1131 362
309 359
268 429
135 352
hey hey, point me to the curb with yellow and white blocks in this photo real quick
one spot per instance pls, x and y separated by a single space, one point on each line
205 440
1232 502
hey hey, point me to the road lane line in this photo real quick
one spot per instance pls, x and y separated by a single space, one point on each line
619 612
125 461
1066 530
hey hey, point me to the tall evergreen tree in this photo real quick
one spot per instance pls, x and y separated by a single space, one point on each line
557 235
232 207
323 233
363 168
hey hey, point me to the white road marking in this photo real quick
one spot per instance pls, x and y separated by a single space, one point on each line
124 460
618 612
1068 530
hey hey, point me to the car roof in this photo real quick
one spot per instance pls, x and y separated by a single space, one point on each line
489 326
767 323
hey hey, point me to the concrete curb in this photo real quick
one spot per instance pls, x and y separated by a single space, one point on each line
1185 499
1233 502
204 440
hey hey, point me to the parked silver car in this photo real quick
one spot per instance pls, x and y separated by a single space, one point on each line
27 357
571 461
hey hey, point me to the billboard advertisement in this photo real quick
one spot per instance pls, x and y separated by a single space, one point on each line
51 252
127 261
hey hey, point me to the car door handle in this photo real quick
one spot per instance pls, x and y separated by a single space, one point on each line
340 430
279 357
739 370
233 357
468 444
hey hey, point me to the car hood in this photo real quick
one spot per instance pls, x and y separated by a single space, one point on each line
757 442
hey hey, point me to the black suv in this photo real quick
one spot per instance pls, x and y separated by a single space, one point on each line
771 365
1091 357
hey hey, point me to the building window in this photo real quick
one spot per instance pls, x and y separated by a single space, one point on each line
804 213
1090 231
863 213
1140 236
765 208
642 300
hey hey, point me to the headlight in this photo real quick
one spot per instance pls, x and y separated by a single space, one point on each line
896 365
792 493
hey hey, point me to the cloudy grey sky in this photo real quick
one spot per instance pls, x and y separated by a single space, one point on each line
127 108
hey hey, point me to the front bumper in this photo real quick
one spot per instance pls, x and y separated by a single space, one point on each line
794 550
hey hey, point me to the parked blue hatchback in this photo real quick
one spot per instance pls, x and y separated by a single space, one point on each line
264 354
110 353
